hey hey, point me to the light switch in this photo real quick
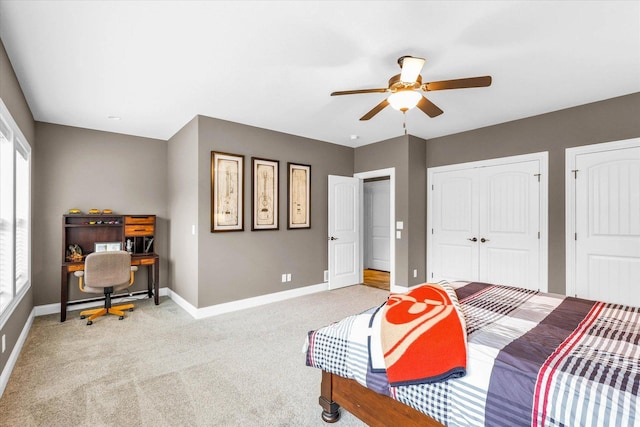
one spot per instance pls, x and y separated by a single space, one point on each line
399 225
398 234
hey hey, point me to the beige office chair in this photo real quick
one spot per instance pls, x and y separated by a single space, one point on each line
106 273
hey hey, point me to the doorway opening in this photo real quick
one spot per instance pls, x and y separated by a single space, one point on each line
376 233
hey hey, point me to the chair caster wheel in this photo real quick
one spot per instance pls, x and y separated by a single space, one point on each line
121 317
83 317
89 322
131 309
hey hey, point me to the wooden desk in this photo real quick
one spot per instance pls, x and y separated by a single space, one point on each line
153 279
135 233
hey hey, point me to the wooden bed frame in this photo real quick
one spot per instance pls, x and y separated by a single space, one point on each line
373 408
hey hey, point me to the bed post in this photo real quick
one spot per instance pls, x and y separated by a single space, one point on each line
330 409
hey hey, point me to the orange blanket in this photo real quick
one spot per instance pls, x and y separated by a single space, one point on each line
423 336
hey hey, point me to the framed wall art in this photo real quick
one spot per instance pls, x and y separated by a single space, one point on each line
264 212
227 192
299 196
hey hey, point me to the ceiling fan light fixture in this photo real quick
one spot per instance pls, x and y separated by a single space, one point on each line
404 100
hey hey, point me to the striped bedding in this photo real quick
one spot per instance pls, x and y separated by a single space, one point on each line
534 359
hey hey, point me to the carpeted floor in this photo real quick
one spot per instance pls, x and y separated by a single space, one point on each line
160 367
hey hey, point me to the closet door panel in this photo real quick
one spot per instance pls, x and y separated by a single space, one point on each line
509 224
608 226
455 225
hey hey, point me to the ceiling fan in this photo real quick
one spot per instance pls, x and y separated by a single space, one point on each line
404 89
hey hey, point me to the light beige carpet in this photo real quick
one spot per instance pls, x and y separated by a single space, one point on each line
160 367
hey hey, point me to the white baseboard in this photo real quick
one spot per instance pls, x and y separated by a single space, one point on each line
400 289
13 357
42 310
227 307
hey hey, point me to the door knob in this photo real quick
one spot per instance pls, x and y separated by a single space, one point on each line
333 238
473 240
484 240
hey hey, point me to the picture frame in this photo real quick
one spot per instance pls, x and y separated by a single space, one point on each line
298 196
265 192
227 192
107 246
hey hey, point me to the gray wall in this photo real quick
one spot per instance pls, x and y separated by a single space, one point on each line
12 96
609 120
237 265
406 154
182 195
417 254
84 169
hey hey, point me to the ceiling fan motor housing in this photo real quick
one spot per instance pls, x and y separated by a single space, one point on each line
395 84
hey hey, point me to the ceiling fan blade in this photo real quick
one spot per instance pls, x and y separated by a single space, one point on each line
458 83
429 108
411 67
375 110
353 92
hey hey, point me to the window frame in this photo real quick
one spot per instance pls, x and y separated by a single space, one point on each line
20 147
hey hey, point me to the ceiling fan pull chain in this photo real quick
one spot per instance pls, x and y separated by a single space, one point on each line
404 121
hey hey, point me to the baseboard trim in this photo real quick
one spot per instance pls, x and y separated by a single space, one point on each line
43 310
13 357
400 289
228 307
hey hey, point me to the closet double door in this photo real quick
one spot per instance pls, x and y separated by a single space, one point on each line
485 224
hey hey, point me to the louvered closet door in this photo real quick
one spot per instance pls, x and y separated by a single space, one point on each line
509 223
608 226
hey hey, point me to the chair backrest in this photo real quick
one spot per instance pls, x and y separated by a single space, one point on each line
104 269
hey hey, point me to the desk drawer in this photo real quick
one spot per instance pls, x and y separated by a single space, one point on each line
140 219
138 230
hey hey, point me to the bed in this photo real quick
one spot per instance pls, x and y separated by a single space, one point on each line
533 358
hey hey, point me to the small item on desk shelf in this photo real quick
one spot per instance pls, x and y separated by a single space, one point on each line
94 211
74 253
74 211
107 211
148 247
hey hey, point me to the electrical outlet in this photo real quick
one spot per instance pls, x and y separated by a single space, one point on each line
289 277
284 278
415 273
326 275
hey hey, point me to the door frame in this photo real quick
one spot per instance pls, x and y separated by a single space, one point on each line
570 201
378 173
543 158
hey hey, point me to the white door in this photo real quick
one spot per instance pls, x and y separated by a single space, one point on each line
485 223
607 225
509 224
376 225
454 235
344 231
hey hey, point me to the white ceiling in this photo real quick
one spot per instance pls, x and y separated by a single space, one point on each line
157 64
